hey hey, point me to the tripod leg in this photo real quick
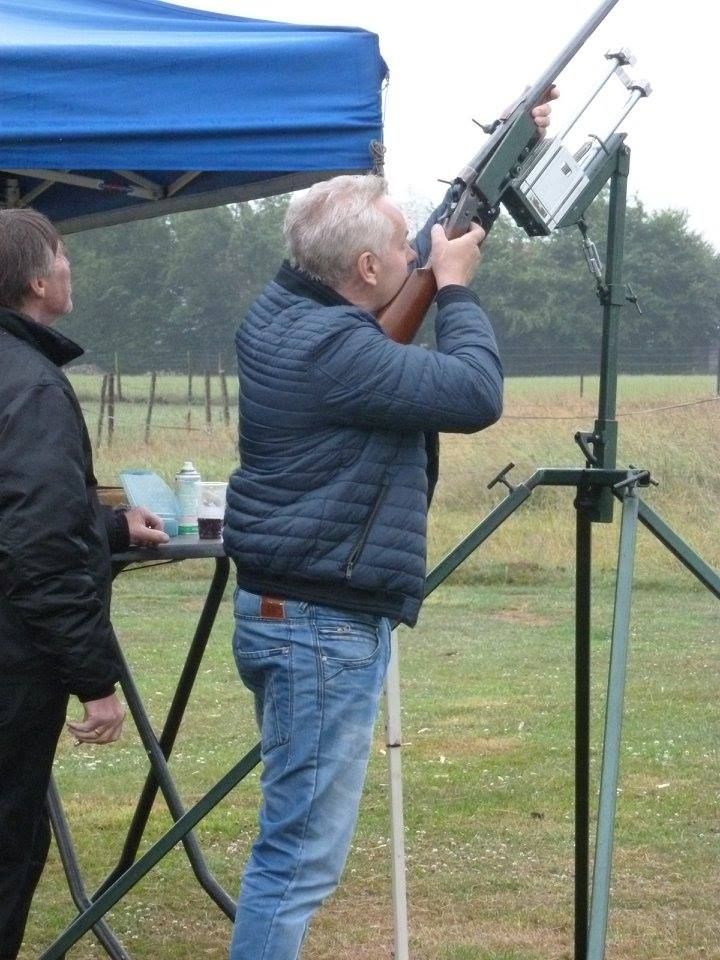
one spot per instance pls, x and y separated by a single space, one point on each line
597 929
679 549
583 567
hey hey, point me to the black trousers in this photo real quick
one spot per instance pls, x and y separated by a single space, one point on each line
31 720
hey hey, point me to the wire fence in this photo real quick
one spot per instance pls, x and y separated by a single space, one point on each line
146 403
530 360
143 405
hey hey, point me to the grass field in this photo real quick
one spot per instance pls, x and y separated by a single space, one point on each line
487 712
680 445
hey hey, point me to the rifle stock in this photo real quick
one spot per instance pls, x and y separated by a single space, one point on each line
481 184
402 317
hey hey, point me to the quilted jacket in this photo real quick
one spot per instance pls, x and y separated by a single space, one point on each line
329 503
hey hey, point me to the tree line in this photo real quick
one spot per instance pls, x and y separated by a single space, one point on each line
170 291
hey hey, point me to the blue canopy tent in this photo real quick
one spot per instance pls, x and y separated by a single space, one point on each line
116 110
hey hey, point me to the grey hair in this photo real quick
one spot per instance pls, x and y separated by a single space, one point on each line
328 227
28 246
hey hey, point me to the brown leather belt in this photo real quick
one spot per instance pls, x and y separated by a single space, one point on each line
271 608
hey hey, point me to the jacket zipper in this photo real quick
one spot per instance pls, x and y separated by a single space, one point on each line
357 549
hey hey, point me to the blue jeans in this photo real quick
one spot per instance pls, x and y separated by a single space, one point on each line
316 674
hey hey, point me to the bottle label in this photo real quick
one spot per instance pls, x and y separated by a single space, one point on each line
188 491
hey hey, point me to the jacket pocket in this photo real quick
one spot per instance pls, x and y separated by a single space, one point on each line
364 533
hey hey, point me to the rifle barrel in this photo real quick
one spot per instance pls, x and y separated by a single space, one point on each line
401 318
536 92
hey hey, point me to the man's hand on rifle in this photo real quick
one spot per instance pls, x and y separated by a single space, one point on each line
541 113
455 261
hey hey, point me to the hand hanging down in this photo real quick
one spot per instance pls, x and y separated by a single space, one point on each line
102 722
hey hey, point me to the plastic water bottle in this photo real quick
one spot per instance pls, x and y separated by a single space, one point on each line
187 486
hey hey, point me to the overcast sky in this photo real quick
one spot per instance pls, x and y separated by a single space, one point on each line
466 59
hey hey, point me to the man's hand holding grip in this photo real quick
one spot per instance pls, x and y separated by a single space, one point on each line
455 261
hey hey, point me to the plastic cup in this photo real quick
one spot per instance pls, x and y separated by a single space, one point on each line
170 524
211 510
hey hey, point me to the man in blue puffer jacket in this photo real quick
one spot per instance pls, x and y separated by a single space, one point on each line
326 518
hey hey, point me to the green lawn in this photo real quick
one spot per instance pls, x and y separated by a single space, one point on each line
487 709
487 717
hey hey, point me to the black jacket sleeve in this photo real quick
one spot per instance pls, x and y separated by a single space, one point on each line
45 516
116 526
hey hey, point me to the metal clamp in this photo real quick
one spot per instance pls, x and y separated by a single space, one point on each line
631 297
502 478
592 258
583 440
638 478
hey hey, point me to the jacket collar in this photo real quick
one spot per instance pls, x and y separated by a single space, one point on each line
299 282
53 345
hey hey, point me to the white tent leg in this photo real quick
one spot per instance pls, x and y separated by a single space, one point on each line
393 741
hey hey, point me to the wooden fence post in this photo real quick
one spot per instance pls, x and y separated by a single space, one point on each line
225 398
151 402
118 379
103 393
189 392
208 401
111 407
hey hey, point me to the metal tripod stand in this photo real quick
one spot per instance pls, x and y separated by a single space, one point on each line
598 486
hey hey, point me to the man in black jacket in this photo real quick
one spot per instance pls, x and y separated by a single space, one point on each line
55 539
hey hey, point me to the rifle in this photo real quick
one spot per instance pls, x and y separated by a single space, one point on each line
481 185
